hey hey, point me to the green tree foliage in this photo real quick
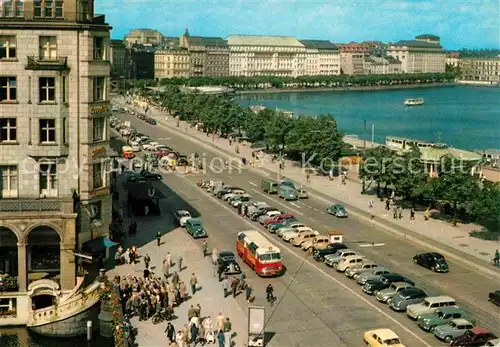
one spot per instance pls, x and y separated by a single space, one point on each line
485 206
378 166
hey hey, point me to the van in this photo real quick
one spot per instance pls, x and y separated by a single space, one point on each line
287 193
429 305
269 187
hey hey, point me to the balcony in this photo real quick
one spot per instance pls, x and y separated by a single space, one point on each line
57 64
33 205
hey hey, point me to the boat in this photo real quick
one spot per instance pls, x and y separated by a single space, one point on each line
414 102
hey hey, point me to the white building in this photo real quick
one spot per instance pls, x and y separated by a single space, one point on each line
484 69
382 65
422 55
322 58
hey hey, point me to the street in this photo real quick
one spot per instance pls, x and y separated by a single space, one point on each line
313 295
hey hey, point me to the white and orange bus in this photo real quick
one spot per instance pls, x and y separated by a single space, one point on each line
262 256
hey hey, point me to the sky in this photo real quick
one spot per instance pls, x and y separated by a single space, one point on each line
460 23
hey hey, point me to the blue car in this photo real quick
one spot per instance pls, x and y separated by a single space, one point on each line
338 210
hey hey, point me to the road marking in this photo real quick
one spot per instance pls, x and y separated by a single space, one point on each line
309 206
294 204
253 184
322 212
278 202
372 245
346 288
315 209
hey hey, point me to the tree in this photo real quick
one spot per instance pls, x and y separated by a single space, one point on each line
376 166
409 176
276 130
485 205
255 124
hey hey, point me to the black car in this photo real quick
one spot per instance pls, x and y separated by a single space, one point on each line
151 176
227 263
494 297
473 338
433 261
255 215
226 190
332 248
372 287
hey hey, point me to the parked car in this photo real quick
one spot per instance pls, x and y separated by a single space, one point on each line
473 338
431 260
320 255
430 321
181 217
454 328
268 215
338 210
331 247
151 176
226 190
392 291
134 178
382 338
317 242
150 146
372 287
277 218
494 297
228 264
237 200
256 216
285 223
255 206
406 297
232 194
290 227
290 236
492 343
335 258
349 261
354 271
303 237
195 228
429 305
373 274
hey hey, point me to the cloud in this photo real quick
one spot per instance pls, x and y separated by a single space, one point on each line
470 23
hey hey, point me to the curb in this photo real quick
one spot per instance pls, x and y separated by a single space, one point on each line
363 218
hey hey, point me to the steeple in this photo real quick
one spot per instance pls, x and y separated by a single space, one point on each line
186 33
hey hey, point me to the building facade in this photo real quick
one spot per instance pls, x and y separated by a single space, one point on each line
452 59
422 55
382 65
352 58
142 62
480 69
208 56
321 58
172 63
143 37
54 140
119 58
266 56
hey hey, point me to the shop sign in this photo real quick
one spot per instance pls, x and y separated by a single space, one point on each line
99 152
99 109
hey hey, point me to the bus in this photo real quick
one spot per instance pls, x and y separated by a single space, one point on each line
262 256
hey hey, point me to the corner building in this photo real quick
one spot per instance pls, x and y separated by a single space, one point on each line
54 139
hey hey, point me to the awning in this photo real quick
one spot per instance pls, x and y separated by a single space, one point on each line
145 191
98 245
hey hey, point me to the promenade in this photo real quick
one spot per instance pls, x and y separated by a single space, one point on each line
435 229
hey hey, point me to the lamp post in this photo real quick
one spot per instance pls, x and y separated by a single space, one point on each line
363 185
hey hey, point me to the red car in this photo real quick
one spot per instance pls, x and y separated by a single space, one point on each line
277 219
473 338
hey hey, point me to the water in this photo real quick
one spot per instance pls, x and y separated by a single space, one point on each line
21 337
460 116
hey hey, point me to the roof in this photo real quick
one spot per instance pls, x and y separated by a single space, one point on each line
460 321
319 44
416 43
262 244
98 245
385 334
256 40
435 153
206 41
428 36
145 191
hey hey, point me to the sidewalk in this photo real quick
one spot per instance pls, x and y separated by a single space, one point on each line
438 230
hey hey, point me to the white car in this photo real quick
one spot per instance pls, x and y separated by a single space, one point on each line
255 206
291 227
241 199
162 148
291 235
135 147
149 144
269 214
181 217
233 193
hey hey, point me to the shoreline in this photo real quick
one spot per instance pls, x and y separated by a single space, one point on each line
344 89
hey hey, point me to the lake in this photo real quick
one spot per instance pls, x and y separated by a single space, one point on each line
460 116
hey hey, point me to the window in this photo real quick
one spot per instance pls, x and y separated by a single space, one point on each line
48 8
98 129
98 175
47 89
19 9
99 88
8 89
59 4
99 48
37 8
64 86
95 210
48 47
48 179
65 130
9 181
47 130
7 47
8 10
8 130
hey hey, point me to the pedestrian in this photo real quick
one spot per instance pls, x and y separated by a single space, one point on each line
170 331
395 212
168 258
225 286
412 214
158 239
101 262
427 214
248 292
179 261
497 258
175 279
183 291
221 338
166 269
227 332
147 260
194 333
234 286
191 313
179 338
193 282
400 212
197 310
220 321
215 255
308 178
204 246
209 330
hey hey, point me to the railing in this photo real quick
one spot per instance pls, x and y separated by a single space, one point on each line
79 303
35 63
69 17
9 284
16 205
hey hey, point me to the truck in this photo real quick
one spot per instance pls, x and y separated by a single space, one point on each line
269 186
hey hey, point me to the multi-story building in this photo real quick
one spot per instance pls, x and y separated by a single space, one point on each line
208 56
171 63
143 37
422 55
382 65
352 58
321 58
480 69
452 59
54 138
119 58
142 62
266 56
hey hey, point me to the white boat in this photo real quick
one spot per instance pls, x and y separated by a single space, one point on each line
414 102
